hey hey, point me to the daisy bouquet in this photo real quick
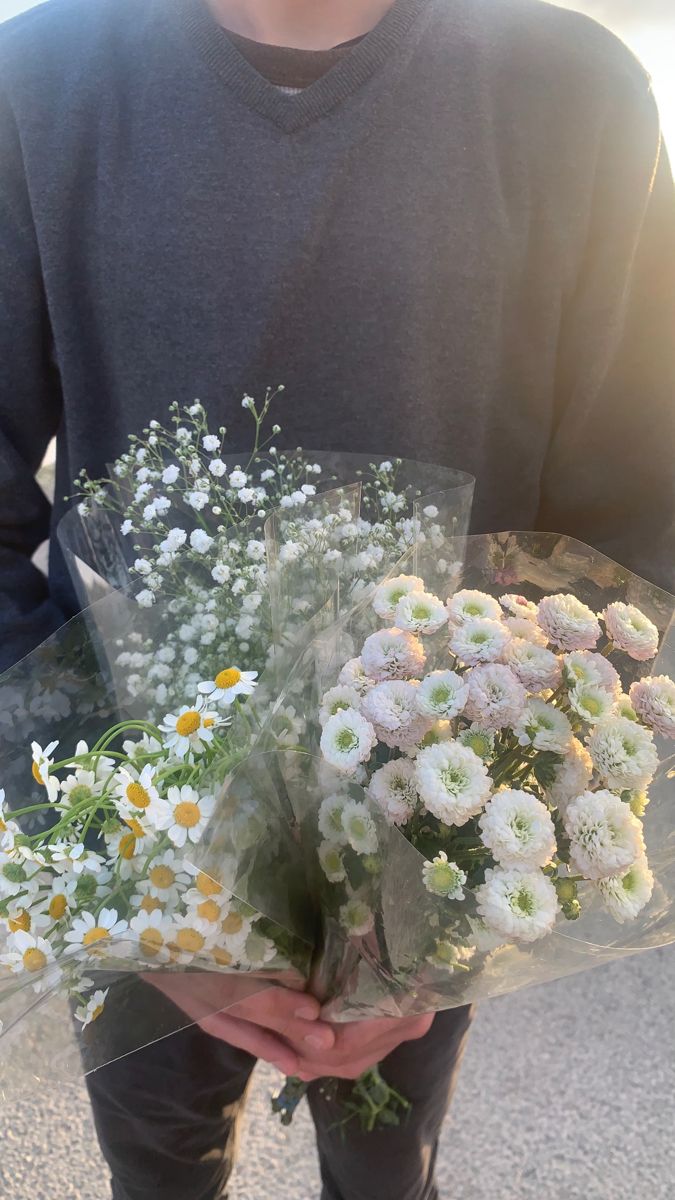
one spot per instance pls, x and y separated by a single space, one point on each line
201 571
488 802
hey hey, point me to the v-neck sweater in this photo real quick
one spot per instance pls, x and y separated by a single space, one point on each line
457 245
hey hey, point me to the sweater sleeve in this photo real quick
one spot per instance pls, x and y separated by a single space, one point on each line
609 478
30 409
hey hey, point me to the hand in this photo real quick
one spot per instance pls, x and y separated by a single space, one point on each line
359 1045
276 1024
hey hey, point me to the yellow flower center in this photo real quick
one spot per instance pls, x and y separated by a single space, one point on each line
188 723
222 957
162 877
209 910
227 679
57 907
137 795
187 814
150 904
21 921
34 959
2 825
232 923
97 934
209 722
206 885
190 940
96 1013
135 827
127 846
36 775
152 941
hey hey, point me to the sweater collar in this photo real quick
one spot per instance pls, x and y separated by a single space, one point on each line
293 112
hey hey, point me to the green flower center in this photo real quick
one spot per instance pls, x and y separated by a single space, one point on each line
346 740
79 794
454 780
522 902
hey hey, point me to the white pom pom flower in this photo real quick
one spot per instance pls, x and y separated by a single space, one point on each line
631 631
389 594
347 740
332 865
496 697
625 896
420 612
529 631
479 640
353 675
605 837
392 710
583 667
517 905
452 781
330 819
653 699
443 878
543 726
393 788
393 654
537 669
356 918
592 702
623 754
359 827
468 604
519 606
568 623
571 777
336 699
518 829
442 695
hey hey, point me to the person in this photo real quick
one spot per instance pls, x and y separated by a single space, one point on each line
448 227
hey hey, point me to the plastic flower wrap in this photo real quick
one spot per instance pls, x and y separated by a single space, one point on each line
143 724
485 789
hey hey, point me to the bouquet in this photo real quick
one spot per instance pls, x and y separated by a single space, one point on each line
142 716
487 801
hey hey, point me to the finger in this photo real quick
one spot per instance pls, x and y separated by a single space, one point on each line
356 1039
279 1004
253 1039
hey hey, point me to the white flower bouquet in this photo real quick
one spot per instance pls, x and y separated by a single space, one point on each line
129 735
488 797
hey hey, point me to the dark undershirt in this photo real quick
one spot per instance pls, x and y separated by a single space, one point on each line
287 68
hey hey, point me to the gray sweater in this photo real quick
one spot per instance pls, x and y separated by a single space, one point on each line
458 245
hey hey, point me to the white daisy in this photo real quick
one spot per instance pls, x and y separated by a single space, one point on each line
75 857
392 654
229 684
571 777
605 837
337 698
568 623
188 936
442 694
517 905
468 604
191 729
356 918
518 829
388 595
543 726
393 789
653 699
479 640
34 955
8 828
184 814
452 782
443 878
537 668
631 631
92 1009
625 896
96 933
496 697
347 740
168 876
420 612
257 951
42 764
623 753
135 790
60 899
330 857
359 828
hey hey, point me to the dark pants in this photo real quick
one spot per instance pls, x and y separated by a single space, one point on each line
167 1118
